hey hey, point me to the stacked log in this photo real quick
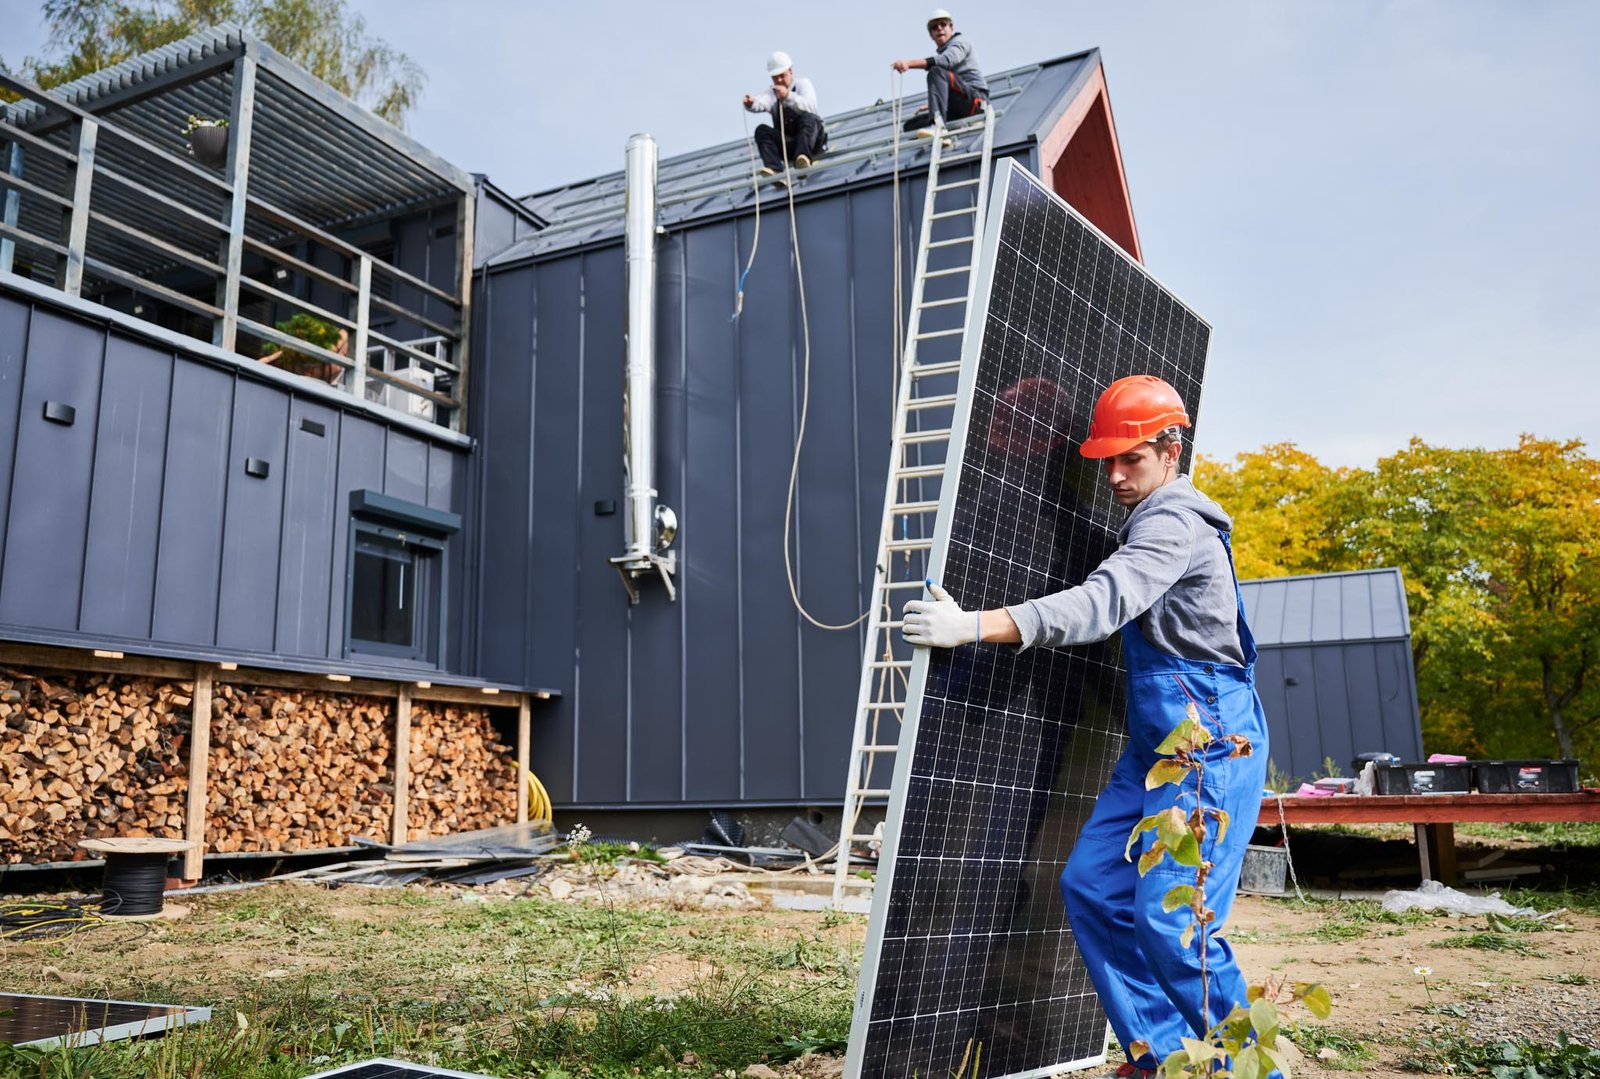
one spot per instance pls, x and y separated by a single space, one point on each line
462 775
298 770
84 755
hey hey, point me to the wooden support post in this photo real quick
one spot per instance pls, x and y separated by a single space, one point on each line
1436 850
70 277
241 120
199 762
402 764
524 732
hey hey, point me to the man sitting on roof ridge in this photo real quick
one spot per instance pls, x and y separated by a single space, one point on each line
793 104
956 87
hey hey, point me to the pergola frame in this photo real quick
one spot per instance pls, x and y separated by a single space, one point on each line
86 185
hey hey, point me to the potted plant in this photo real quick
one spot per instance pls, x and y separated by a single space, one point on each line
313 331
208 140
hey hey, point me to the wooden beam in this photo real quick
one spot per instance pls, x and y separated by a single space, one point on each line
199 764
241 121
358 344
1435 808
192 70
466 224
402 765
524 741
1436 851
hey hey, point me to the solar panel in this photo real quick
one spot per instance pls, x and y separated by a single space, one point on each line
970 968
26 1019
394 1069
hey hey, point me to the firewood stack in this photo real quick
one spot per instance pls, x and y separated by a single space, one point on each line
462 776
298 770
91 755
85 755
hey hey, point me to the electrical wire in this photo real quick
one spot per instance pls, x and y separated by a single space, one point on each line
755 239
22 921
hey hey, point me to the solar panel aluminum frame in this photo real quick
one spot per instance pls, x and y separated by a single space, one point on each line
410 1065
972 347
178 1015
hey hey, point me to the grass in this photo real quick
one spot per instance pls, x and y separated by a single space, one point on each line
1354 1054
1502 1059
1489 942
302 980
1353 919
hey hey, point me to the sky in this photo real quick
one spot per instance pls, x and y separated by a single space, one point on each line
1389 212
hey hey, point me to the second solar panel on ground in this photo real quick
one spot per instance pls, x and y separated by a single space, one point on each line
970 967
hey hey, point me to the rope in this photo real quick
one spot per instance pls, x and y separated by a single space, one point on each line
805 402
755 239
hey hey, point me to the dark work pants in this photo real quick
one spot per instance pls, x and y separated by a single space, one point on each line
947 97
802 132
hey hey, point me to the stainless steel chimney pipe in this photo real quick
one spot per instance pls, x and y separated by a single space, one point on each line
648 527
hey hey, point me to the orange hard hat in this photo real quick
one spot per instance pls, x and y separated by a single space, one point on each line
1131 411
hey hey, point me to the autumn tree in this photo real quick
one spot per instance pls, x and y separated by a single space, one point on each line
1283 501
323 36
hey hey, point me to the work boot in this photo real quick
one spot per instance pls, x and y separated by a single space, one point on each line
768 171
802 161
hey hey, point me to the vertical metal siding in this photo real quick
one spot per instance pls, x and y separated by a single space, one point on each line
194 494
138 520
247 600
305 571
125 511
42 575
13 343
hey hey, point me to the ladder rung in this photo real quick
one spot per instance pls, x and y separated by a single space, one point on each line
942 400
958 183
920 472
870 792
931 334
942 214
893 623
921 438
908 545
862 837
928 370
889 748
951 243
946 273
926 305
915 507
893 664
965 155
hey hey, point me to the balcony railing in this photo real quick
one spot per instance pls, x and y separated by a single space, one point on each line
105 212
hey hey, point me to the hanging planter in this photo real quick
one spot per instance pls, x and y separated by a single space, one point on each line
208 140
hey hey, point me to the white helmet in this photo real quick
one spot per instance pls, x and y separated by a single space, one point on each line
778 63
940 15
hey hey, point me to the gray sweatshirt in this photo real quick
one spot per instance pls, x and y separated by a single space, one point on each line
956 55
1171 572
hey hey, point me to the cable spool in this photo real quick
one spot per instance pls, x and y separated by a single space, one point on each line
135 875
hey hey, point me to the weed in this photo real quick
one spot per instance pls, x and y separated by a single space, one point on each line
1353 1054
1505 1059
1489 942
1571 977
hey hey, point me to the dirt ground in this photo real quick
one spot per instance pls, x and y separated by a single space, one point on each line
649 932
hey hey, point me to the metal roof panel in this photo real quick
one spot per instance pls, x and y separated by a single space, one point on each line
1363 605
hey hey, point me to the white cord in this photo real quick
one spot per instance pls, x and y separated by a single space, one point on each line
755 239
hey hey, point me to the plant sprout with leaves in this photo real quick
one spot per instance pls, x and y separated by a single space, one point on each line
1244 1045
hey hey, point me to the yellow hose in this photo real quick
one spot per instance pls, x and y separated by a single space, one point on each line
539 808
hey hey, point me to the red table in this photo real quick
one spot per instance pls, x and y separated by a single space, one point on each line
1434 816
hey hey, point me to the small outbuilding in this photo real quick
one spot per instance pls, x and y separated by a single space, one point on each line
1335 672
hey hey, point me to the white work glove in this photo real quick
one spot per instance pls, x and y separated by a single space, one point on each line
939 623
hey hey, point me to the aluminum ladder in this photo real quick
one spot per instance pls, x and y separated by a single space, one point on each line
941 296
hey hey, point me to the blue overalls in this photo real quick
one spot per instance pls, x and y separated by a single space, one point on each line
1149 984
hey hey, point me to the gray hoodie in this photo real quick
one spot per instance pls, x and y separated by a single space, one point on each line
1171 572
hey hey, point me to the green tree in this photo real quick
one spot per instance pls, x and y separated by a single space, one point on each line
323 36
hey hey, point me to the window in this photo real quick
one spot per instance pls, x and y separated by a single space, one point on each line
396 579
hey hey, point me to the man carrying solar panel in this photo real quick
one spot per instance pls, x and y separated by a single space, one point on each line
1170 589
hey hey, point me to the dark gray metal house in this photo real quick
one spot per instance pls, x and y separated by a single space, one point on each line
725 696
433 488
1335 673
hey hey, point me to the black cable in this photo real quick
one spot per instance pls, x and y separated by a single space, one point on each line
133 883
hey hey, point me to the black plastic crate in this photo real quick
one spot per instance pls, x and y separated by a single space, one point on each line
1425 777
1526 777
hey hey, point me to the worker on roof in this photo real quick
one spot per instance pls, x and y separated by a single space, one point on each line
1171 590
796 123
956 87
